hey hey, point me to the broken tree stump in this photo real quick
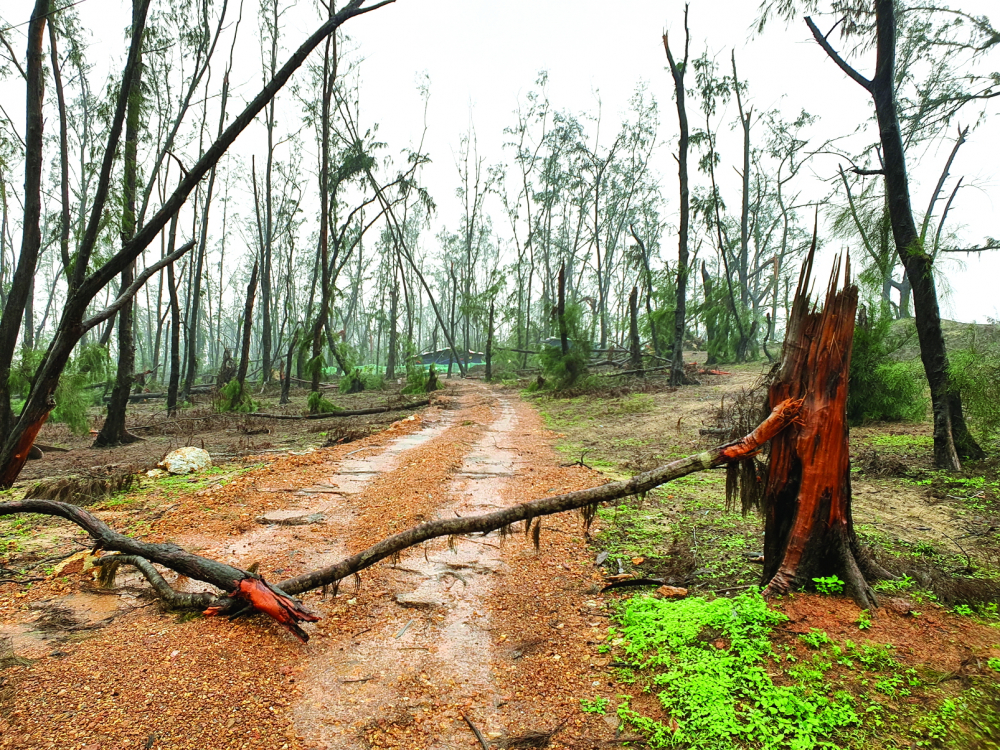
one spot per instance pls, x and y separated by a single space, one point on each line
809 531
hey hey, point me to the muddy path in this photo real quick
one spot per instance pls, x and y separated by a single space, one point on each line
487 629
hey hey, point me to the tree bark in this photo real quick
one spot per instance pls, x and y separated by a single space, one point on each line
113 431
241 372
286 383
680 310
31 232
635 349
175 332
952 440
809 530
489 345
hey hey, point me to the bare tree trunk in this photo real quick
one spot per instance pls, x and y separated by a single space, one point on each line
680 309
390 363
286 383
710 332
241 372
175 343
113 431
31 232
635 347
809 530
193 332
489 345
952 440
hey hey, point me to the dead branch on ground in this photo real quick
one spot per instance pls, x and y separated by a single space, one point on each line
141 554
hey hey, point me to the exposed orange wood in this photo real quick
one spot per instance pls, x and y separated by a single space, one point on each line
284 610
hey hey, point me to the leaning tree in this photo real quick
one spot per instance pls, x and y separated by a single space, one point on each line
87 281
946 50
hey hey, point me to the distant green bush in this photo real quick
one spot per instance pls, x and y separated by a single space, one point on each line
352 382
228 393
975 373
374 381
880 387
320 405
419 380
563 371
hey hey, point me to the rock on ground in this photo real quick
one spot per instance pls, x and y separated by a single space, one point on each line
186 460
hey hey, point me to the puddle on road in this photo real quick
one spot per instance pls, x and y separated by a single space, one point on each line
433 636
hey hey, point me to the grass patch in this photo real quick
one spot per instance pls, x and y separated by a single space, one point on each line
723 680
707 663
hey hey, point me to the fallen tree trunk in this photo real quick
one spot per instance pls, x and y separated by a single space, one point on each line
343 412
229 579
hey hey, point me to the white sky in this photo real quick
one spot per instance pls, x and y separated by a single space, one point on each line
481 56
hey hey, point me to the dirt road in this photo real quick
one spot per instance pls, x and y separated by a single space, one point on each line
490 630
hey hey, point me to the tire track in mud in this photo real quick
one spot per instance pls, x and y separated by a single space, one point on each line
427 648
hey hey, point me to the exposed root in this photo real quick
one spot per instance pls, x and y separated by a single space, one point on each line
84 490
857 586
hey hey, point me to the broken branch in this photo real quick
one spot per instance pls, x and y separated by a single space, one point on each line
246 586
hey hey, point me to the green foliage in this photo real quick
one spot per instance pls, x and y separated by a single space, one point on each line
23 370
562 372
975 373
596 706
881 388
815 638
72 401
709 661
91 365
416 378
228 394
320 405
419 380
352 382
829 585
864 620
373 381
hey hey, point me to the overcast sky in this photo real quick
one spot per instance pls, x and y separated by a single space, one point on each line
483 56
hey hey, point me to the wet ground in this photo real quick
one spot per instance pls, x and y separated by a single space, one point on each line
478 629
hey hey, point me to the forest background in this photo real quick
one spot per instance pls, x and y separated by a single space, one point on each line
505 142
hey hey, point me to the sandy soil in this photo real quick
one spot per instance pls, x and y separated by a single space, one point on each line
497 632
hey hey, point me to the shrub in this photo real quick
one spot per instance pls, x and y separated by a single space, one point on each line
352 382
374 381
975 373
320 405
880 387
416 378
72 402
563 371
227 395
419 380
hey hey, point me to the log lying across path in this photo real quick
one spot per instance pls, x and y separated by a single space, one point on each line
225 577
343 412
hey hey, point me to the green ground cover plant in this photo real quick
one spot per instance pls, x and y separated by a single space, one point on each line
707 663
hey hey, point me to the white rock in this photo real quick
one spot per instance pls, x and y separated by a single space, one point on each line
186 460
